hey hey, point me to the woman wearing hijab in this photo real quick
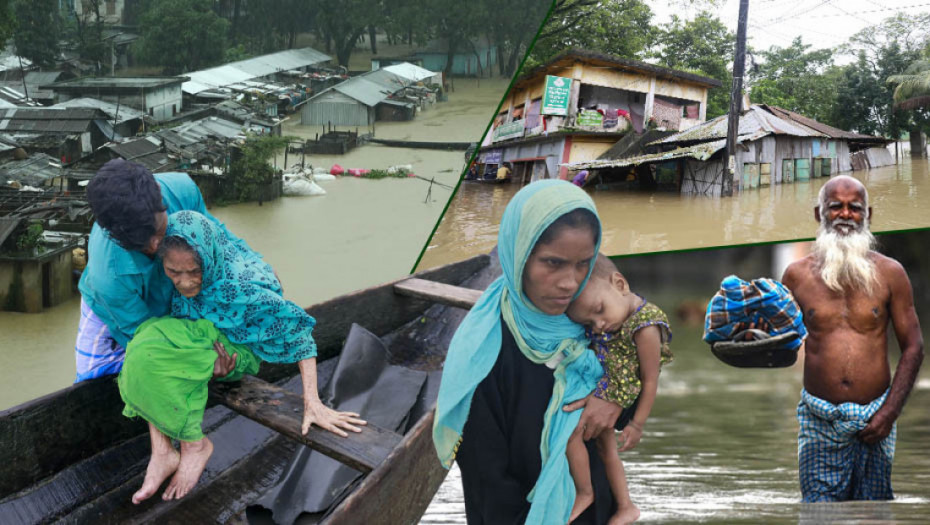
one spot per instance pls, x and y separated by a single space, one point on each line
517 360
228 314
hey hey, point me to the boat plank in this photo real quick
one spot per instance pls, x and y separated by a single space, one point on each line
282 410
439 292
413 472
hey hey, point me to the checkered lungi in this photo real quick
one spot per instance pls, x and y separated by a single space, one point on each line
97 354
834 465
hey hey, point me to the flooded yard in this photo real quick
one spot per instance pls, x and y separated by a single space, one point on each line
643 222
361 233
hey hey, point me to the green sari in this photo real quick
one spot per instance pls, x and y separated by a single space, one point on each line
169 363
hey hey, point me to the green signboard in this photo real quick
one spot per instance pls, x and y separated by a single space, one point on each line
508 131
590 117
556 96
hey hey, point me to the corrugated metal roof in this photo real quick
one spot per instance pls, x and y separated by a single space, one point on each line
830 131
410 71
698 151
48 120
252 68
755 123
116 82
370 88
146 151
125 112
34 171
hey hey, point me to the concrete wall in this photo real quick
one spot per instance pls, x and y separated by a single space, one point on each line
159 102
31 285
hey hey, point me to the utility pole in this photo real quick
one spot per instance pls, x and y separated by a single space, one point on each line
736 101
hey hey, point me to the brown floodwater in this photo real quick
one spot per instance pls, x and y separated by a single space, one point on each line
361 233
641 222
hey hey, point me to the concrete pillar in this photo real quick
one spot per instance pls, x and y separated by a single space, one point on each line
650 102
918 144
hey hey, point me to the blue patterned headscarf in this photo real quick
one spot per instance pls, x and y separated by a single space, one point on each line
542 338
240 294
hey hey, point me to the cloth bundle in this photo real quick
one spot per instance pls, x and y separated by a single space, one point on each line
740 302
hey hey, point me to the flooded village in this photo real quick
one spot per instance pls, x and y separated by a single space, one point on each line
637 137
61 122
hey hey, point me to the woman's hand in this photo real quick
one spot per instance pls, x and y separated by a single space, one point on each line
224 363
316 413
598 416
629 437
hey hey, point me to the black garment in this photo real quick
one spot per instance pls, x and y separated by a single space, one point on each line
499 455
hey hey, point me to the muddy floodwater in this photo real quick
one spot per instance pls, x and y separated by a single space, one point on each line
721 447
361 233
640 222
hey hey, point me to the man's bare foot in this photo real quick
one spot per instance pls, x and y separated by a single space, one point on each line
625 516
583 500
161 465
194 456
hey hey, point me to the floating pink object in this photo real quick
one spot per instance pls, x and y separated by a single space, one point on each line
337 170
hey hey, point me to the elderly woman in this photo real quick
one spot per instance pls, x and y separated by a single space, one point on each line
228 314
517 360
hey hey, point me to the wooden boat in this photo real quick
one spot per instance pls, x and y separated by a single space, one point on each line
489 181
71 457
449 146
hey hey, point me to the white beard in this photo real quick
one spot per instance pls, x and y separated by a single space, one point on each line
844 259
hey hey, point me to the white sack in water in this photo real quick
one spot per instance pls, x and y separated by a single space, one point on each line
321 177
405 167
302 188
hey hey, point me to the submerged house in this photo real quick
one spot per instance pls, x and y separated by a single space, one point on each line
474 57
774 146
157 97
580 103
391 93
68 134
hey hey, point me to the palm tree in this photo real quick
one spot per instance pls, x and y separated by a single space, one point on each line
913 89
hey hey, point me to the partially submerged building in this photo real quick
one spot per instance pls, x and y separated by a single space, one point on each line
391 93
158 97
68 134
580 103
774 146
223 82
472 58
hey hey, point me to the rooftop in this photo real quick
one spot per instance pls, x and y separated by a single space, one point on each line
250 68
116 82
568 57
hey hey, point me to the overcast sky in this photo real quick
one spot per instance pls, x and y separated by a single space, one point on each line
821 23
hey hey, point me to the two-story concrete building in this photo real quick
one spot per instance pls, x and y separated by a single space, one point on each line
580 103
157 97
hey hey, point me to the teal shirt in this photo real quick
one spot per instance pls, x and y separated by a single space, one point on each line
125 288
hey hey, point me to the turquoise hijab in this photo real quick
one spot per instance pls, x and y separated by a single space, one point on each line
542 338
240 294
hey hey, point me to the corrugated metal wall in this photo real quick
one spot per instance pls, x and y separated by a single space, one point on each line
336 110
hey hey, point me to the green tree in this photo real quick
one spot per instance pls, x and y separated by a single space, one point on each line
7 21
455 23
38 28
595 26
251 171
512 27
913 86
703 46
797 79
864 98
182 35
342 22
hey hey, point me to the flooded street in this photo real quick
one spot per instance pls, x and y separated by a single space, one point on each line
362 233
721 447
637 222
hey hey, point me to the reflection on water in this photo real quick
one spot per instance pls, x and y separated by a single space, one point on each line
721 446
648 222
362 233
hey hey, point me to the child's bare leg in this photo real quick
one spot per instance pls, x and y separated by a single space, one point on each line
163 463
194 456
580 468
627 512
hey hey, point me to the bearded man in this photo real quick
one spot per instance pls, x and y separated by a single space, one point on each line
848 293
